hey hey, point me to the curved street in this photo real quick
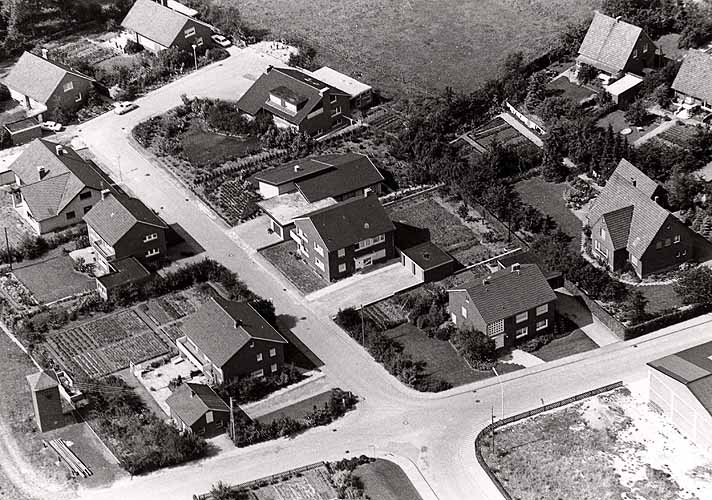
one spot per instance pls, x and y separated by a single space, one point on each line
432 435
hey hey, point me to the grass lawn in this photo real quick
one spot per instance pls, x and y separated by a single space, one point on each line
607 447
441 359
52 278
548 197
618 122
660 297
563 87
562 347
285 257
297 410
384 480
201 147
416 45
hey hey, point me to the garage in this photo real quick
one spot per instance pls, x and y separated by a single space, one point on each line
427 262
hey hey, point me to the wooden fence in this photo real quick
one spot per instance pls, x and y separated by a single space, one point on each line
505 421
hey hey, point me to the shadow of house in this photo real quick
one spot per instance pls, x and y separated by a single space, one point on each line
296 351
574 308
181 244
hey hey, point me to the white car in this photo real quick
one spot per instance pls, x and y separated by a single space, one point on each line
221 40
124 107
51 126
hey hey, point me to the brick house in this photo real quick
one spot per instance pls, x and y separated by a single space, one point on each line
227 339
510 305
42 85
631 226
615 47
297 100
54 186
693 83
350 236
157 27
299 187
197 408
121 227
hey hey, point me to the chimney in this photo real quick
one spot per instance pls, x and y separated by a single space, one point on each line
44 53
297 168
486 281
516 267
633 181
59 150
41 172
105 193
656 199
366 225
618 18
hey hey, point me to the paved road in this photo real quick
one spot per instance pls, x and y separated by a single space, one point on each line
435 432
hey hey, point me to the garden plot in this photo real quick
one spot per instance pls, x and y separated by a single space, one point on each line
105 345
465 241
613 443
171 307
310 485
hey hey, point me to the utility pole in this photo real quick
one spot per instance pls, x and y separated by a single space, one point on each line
363 329
232 421
501 389
492 427
195 57
9 255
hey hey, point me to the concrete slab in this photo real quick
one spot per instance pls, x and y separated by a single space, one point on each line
253 233
363 289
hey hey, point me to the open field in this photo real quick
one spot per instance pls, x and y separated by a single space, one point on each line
384 480
53 278
614 444
417 45
548 197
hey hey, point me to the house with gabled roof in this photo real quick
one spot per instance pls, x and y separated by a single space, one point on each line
347 237
227 340
615 47
43 85
54 186
121 227
680 387
197 408
693 83
302 186
631 226
295 99
510 306
155 26
361 93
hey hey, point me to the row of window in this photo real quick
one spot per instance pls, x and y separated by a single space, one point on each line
71 215
261 373
524 331
368 242
659 244
272 354
539 311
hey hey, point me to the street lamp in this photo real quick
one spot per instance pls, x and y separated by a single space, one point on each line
195 57
501 388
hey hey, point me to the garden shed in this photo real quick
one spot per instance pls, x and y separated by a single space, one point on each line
25 130
427 262
624 91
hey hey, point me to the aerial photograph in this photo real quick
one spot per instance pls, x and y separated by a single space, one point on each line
356 249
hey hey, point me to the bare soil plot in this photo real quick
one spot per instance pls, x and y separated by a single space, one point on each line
417 45
53 278
309 485
105 345
549 198
384 480
613 443
285 257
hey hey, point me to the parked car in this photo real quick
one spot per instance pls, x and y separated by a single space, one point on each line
51 126
121 108
221 40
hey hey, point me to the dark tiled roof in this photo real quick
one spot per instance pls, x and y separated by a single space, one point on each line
618 224
353 172
695 75
38 77
115 215
609 42
349 222
427 255
156 22
509 293
67 174
128 270
298 83
641 181
288 173
693 368
191 401
619 193
221 328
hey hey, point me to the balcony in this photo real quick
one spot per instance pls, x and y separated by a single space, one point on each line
185 348
107 252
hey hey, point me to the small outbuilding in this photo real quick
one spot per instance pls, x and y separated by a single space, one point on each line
197 408
123 272
624 91
46 401
427 262
25 130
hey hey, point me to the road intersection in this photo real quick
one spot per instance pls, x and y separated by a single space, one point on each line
433 432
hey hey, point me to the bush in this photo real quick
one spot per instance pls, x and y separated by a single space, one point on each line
132 47
476 347
248 389
586 73
637 113
4 93
32 247
695 286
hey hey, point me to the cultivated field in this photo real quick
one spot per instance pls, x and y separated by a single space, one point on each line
416 45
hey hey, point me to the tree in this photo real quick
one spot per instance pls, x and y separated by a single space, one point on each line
553 168
634 307
695 286
4 93
683 188
266 309
476 347
637 113
536 91
586 73
221 491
